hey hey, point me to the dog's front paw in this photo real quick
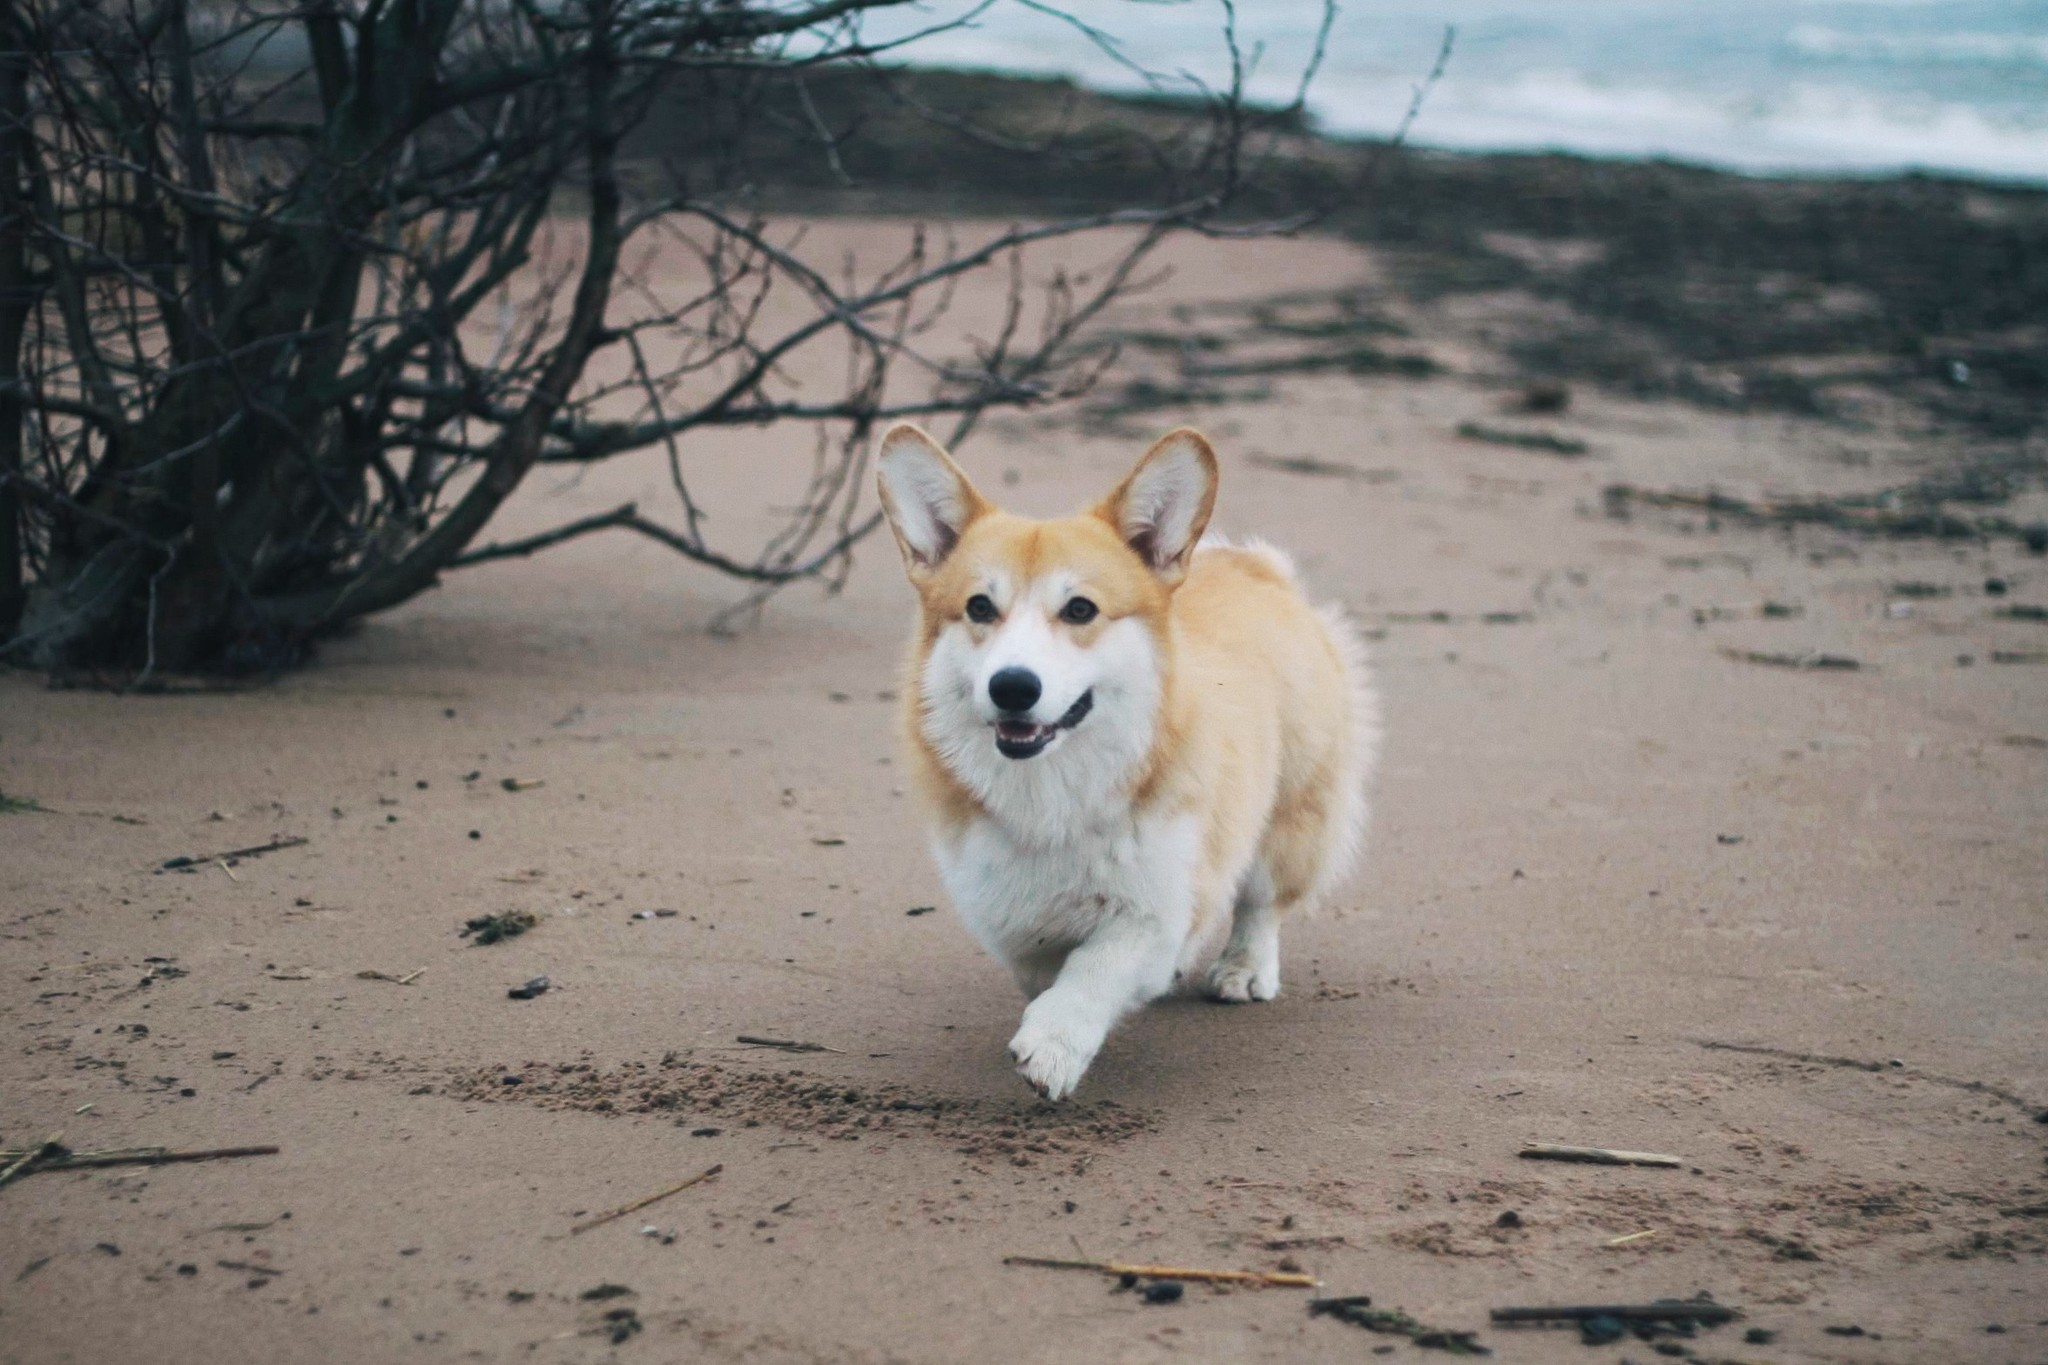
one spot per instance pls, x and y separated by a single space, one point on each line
1052 1054
1239 983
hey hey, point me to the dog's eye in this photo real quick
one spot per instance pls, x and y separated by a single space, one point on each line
980 609
1079 611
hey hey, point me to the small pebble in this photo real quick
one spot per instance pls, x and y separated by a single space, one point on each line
1510 1219
1127 1281
476 834
188 1269
1164 1291
537 986
1759 1336
1852 1330
1602 1331
1995 587
510 1080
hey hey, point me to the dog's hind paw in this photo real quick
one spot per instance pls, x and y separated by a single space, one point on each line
1051 1058
1237 984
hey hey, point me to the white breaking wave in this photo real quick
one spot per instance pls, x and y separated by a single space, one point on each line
1808 128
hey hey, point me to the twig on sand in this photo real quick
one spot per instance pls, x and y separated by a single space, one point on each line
1627 1238
786 1044
43 1158
1676 1310
637 1204
18 1160
1776 660
371 974
1604 1156
199 859
1282 1278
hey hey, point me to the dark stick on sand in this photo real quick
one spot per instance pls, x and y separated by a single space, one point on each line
197 860
1709 1313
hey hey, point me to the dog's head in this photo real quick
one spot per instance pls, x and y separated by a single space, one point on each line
1043 635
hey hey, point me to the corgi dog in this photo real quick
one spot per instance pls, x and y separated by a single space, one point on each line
1123 735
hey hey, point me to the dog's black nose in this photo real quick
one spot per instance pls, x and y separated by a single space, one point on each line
1014 689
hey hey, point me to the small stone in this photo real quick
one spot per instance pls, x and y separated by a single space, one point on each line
188 1269
1759 1336
1164 1291
510 1080
476 834
1995 587
1602 1331
1850 1330
1510 1219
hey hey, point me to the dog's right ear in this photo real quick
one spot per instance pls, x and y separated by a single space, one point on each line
929 502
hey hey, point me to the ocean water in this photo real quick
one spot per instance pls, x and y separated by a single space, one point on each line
1763 86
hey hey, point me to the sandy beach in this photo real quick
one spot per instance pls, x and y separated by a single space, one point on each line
1651 867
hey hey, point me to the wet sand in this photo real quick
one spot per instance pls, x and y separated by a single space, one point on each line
1628 886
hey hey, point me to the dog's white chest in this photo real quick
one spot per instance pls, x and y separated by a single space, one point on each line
1023 901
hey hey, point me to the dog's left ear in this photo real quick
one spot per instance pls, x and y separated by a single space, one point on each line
1162 507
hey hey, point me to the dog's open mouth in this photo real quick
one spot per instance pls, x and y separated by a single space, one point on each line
1023 738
